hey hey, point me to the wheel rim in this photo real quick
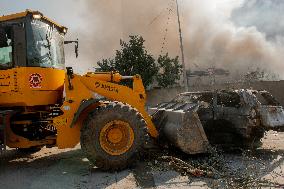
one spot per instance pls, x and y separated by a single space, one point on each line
116 137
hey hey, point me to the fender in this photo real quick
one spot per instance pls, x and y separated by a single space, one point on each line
84 104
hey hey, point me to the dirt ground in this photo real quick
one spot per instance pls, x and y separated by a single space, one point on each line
53 168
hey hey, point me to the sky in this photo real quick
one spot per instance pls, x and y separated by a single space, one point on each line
211 36
67 12
77 16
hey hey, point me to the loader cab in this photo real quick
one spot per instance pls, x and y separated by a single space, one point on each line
31 40
32 62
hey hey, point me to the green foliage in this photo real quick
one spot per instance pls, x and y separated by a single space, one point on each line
170 71
132 59
106 65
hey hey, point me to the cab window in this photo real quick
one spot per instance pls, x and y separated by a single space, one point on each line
44 45
5 49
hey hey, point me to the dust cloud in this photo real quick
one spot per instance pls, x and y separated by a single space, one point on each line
212 38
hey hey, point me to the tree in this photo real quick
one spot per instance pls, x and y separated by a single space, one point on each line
132 59
170 71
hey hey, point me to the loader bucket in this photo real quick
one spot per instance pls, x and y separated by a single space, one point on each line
183 129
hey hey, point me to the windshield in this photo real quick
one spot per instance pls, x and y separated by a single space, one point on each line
5 49
44 45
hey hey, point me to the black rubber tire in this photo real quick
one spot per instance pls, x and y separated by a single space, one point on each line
96 121
30 150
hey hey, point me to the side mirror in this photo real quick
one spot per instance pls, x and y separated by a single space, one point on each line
76 46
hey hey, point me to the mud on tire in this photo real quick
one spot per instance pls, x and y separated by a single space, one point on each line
94 125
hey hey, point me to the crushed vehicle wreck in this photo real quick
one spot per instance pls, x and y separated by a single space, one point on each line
227 118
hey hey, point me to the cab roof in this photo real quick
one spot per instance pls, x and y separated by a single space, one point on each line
26 13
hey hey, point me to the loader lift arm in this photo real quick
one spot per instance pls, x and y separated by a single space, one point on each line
88 87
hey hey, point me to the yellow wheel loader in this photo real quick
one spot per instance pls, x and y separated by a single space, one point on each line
42 103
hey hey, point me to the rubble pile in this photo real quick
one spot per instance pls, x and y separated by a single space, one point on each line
220 169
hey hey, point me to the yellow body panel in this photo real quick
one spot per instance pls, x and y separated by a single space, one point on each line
13 16
31 86
68 137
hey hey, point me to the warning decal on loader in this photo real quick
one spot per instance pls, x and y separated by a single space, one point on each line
35 81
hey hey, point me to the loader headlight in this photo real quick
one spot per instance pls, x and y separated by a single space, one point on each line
37 16
64 30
